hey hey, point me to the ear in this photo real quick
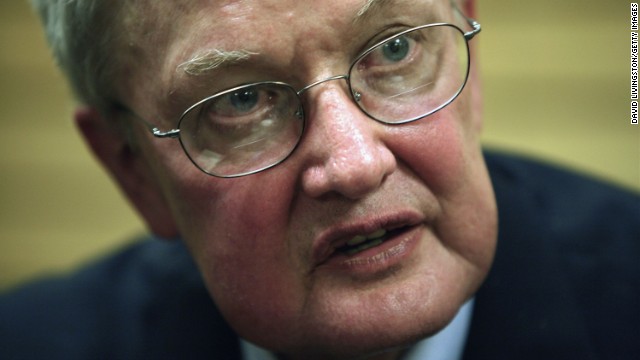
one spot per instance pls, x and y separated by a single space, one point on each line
469 8
111 145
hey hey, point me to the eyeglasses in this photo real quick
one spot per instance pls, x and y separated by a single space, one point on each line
253 127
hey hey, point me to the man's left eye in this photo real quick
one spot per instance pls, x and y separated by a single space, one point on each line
397 49
393 52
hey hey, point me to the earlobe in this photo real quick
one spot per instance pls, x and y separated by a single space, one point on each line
110 144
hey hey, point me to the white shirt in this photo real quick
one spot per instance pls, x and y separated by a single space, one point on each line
448 344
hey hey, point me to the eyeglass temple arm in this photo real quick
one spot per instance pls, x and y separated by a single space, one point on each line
476 29
173 133
474 24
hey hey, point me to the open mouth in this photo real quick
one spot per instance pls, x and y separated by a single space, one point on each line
360 243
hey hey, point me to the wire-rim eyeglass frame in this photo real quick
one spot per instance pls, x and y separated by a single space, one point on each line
355 95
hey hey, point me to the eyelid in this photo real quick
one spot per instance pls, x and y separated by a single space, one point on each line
261 106
381 36
413 44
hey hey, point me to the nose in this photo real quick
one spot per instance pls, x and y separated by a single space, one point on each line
345 149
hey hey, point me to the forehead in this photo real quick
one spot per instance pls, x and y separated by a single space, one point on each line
232 23
228 22
169 34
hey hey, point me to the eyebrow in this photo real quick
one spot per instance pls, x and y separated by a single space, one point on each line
208 60
369 7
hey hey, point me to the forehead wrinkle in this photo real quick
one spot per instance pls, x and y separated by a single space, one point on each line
206 61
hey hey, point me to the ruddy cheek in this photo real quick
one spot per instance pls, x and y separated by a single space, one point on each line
434 149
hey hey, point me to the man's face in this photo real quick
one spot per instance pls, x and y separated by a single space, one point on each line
267 244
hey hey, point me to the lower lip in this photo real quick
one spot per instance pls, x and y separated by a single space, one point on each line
379 259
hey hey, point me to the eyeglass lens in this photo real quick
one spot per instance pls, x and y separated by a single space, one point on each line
250 128
411 75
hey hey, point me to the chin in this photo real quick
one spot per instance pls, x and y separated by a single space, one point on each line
363 342
367 322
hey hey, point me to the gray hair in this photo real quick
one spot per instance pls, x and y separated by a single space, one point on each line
82 35
91 46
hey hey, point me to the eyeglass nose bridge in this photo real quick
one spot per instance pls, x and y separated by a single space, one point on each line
356 95
332 78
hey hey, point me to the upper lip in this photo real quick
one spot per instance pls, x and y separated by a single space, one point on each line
329 240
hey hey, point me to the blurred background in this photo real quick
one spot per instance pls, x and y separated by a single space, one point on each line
556 87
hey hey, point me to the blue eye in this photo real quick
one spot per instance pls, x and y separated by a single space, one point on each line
396 49
244 100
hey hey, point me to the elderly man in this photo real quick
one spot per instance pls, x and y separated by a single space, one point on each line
320 163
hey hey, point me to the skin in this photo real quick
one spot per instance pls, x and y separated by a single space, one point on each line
253 238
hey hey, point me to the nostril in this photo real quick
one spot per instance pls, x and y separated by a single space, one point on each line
344 150
352 175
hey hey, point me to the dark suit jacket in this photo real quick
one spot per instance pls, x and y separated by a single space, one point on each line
565 285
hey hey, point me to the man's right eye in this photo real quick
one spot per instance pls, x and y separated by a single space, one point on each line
238 115
237 103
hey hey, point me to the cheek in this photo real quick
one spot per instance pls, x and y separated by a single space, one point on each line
236 231
443 149
434 148
445 154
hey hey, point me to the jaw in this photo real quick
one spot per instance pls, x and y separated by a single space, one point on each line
340 315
